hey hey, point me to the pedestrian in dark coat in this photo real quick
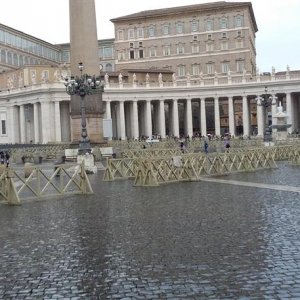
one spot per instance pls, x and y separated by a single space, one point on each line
7 156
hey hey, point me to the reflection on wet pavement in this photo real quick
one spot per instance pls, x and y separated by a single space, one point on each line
199 240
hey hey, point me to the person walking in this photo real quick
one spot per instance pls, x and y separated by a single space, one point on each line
7 156
206 147
227 146
2 157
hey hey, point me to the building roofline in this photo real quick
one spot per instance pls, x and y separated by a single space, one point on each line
188 8
5 27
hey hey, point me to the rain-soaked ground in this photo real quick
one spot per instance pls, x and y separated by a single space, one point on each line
199 240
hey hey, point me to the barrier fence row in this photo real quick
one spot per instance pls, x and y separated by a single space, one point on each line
169 165
39 183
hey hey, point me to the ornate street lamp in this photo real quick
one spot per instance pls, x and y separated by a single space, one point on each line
265 100
83 85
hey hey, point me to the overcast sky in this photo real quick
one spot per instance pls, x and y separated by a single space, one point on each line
278 21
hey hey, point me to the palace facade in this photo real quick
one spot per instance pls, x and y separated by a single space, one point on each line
185 70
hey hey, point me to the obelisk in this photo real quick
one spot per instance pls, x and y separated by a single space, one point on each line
84 49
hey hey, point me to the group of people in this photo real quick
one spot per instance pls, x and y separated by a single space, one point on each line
4 158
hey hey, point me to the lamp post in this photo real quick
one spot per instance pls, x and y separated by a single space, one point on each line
83 85
265 100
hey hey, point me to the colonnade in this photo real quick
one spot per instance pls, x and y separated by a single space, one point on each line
41 114
133 118
39 122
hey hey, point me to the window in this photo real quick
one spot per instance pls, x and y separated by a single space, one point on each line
194 26
15 59
209 37
3 56
210 68
195 37
9 58
224 45
239 21
166 29
166 50
224 35
195 69
152 51
225 67
195 48
239 34
131 34
131 54
121 35
239 43
180 48
179 27
209 25
3 126
121 55
2 38
141 50
21 60
130 45
209 47
108 67
3 123
140 33
151 31
223 23
66 56
240 66
181 70
107 52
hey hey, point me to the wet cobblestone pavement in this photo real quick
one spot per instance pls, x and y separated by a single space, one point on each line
195 240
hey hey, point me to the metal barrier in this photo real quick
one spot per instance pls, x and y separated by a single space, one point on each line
191 167
42 183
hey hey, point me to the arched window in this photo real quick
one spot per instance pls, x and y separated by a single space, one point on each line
108 67
15 59
3 56
21 60
9 58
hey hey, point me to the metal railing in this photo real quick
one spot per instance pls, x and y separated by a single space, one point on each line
39 183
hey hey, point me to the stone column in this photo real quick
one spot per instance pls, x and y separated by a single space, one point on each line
57 121
148 129
36 123
108 110
203 117
135 120
14 135
217 117
22 124
189 118
175 118
274 111
122 121
231 119
162 120
246 128
260 119
289 111
46 126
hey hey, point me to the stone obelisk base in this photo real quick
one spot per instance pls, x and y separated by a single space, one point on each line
94 129
89 163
